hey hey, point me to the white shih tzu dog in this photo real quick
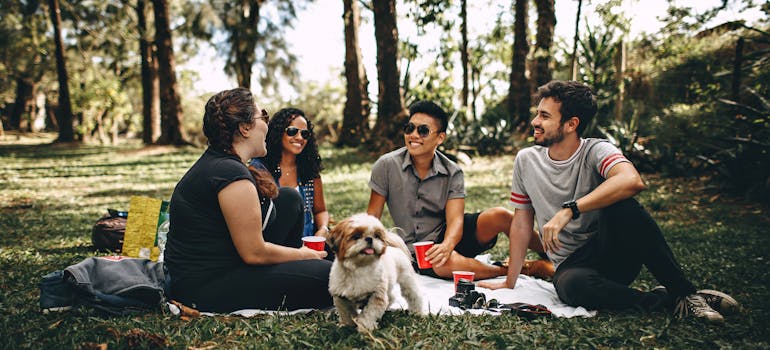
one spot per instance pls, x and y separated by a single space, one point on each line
370 261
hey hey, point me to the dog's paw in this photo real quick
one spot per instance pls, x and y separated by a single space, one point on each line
365 326
347 323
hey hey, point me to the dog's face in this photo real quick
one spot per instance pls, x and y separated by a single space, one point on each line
359 239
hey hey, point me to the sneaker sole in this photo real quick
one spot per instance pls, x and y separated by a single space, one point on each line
727 306
56 309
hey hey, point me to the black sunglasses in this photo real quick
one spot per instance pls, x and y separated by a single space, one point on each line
264 116
423 130
292 131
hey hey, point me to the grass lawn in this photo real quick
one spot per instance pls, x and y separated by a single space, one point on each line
51 195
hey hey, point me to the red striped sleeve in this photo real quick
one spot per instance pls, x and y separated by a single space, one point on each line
608 161
520 198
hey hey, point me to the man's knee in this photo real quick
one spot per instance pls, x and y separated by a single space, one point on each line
494 220
572 285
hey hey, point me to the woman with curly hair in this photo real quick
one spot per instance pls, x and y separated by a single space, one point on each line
234 236
292 158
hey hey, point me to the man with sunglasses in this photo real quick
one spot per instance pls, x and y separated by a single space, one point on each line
425 194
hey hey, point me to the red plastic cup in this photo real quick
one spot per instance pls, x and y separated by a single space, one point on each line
419 250
314 242
466 275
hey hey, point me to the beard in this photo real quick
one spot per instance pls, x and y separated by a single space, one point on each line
549 140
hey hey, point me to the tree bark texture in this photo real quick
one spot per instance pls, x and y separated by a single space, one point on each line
355 120
464 57
519 89
240 20
66 130
546 21
150 84
390 106
737 64
573 65
24 94
171 116
620 71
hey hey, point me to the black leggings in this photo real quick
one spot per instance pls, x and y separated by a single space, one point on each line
286 286
597 275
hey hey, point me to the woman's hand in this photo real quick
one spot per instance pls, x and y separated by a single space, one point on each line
312 254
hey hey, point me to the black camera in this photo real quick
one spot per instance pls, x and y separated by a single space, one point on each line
466 296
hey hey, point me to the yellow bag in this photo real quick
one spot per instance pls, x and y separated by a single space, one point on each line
146 215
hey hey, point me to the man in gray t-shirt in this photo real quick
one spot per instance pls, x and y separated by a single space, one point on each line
425 194
599 237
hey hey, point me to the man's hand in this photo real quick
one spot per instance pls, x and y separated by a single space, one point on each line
496 284
439 253
552 228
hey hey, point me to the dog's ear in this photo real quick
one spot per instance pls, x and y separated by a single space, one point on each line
334 237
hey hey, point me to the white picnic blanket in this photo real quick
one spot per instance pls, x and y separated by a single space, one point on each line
530 290
436 294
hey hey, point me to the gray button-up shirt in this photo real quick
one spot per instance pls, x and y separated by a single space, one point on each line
417 206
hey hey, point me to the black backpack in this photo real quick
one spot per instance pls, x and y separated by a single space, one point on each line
107 234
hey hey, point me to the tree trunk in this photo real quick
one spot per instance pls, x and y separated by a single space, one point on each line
464 58
620 69
518 91
241 19
573 65
171 116
20 108
150 84
390 105
546 21
66 131
737 63
355 120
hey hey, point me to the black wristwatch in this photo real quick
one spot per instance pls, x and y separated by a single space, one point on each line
572 205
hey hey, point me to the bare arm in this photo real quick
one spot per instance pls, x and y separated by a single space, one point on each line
320 214
240 207
623 181
520 232
376 204
454 211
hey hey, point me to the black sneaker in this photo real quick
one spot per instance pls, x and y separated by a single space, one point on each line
721 302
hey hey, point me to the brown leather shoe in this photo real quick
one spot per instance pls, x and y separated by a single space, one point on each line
540 268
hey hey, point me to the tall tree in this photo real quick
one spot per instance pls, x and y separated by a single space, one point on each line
171 114
546 21
256 39
355 120
390 106
24 43
518 91
573 65
240 21
464 59
66 131
150 83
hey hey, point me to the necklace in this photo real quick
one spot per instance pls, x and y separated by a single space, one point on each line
285 172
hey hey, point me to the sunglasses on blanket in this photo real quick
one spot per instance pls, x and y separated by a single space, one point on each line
292 131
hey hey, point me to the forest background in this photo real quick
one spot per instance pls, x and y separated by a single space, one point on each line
689 98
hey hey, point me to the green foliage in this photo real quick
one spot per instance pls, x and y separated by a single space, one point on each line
46 213
700 129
